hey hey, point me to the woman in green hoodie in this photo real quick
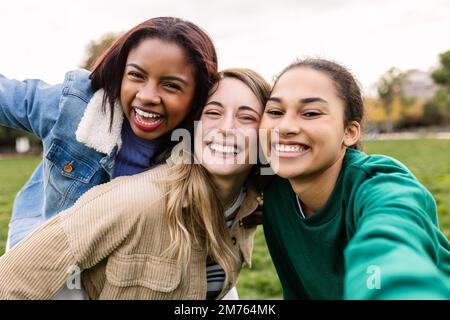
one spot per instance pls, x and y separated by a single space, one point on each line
341 224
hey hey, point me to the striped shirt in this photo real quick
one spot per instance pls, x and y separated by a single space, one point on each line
215 275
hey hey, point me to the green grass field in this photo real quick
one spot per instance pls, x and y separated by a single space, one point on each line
14 172
427 159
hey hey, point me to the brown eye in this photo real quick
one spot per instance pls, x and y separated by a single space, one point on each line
135 74
172 86
274 113
311 114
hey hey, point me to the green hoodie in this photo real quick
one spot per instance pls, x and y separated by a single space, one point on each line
377 237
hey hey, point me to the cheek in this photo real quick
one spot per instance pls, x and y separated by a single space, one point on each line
326 132
251 135
251 149
207 124
126 95
336 133
205 133
329 140
207 128
179 109
266 123
265 129
208 134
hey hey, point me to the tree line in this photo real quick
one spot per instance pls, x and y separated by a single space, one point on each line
434 111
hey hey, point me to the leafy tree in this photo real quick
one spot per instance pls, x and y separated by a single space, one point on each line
441 76
432 114
389 89
96 47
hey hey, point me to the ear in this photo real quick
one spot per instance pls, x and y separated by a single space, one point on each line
352 134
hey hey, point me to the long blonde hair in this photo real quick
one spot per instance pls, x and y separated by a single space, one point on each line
195 214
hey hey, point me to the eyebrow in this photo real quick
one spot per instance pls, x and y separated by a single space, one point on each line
249 109
173 78
312 100
216 103
302 101
137 67
244 107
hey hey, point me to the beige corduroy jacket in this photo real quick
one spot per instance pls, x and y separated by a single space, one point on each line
115 234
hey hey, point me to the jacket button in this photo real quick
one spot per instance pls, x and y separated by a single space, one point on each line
234 240
68 167
241 223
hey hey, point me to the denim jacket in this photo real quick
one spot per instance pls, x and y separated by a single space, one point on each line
79 149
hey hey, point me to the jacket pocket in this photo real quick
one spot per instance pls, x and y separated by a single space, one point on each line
68 176
152 272
70 164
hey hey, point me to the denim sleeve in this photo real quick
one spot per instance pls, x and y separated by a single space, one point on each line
30 105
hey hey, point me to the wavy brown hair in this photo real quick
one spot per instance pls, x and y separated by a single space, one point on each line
195 213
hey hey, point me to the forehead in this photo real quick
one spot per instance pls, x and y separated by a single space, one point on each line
305 82
233 93
156 53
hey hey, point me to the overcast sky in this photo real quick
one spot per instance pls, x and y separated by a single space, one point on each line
44 39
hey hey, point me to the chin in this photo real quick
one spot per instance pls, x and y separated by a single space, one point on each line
147 135
222 170
288 173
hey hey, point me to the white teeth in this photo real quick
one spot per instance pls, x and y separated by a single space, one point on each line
151 122
223 149
289 148
147 114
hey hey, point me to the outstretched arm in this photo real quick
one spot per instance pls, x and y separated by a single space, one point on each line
30 105
397 248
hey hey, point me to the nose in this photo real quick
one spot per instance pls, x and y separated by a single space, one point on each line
227 125
227 122
148 94
289 125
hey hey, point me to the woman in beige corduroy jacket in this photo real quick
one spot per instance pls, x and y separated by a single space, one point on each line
150 236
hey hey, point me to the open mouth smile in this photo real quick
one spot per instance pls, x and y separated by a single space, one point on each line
290 150
146 121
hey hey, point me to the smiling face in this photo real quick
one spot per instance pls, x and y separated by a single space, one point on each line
227 141
306 109
157 88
